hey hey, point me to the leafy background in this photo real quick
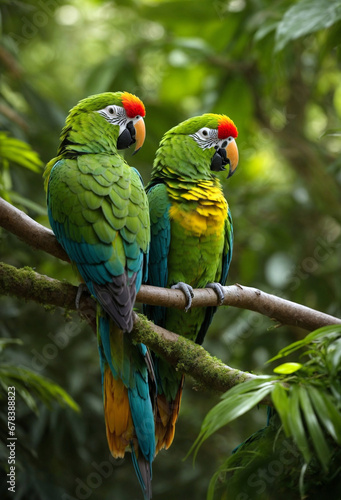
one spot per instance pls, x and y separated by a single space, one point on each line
272 66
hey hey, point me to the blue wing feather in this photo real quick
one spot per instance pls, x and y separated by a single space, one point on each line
159 205
227 257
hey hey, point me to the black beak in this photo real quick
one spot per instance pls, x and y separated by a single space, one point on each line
220 160
127 137
231 172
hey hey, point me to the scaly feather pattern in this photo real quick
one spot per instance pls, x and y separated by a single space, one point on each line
98 211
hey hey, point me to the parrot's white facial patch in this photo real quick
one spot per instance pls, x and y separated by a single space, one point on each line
115 115
206 137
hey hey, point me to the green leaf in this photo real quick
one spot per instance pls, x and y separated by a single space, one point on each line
314 428
326 411
287 368
323 331
212 485
250 385
47 389
28 398
288 350
332 132
306 16
296 424
264 30
7 342
27 383
335 389
235 403
318 334
19 152
280 399
334 356
301 480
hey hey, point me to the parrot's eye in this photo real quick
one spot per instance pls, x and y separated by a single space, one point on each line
114 114
206 137
206 133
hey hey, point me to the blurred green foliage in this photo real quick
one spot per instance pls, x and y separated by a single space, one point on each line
274 68
307 400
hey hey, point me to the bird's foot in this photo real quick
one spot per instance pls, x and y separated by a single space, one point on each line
219 290
187 290
82 288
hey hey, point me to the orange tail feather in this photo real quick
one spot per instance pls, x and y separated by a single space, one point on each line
118 420
166 416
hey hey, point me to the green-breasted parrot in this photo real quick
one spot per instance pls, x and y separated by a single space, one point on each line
98 210
191 238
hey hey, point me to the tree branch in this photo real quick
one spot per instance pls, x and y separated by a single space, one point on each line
186 356
30 231
281 310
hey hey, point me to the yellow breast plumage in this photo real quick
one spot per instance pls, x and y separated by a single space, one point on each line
206 210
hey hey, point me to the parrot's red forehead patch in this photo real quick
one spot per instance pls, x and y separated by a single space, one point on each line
227 128
133 105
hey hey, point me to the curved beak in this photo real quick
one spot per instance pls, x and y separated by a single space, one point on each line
140 134
232 156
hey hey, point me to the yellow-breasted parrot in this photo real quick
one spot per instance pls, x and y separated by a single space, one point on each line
98 210
191 238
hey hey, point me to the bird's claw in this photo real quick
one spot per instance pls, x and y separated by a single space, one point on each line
82 288
219 290
187 290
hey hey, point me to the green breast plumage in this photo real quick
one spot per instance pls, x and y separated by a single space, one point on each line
99 212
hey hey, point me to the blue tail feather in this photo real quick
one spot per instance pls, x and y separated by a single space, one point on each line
143 470
133 372
143 418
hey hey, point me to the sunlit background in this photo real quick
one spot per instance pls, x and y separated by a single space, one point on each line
281 84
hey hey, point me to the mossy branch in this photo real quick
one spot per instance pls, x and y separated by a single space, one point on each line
186 356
